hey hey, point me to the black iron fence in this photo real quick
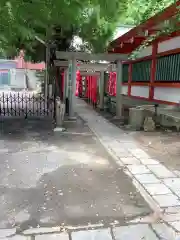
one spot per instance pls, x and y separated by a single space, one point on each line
26 105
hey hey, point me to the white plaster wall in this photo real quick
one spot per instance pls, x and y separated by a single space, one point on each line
20 80
13 76
167 94
124 90
32 79
140 91
169 44
145 52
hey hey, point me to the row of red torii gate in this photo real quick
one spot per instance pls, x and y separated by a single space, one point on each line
154 76
87 87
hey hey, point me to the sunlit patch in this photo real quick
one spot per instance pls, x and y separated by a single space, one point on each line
45 219
75 210
87 158
40 146
4 150
22 216
101 161
79 157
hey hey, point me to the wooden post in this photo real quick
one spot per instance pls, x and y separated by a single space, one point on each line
153 70
65 85
101 91
72 103
129 78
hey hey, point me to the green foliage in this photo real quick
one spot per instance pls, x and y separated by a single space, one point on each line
56 21
139 11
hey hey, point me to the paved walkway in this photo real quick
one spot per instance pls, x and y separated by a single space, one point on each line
50 179
65 186
159 186
131 232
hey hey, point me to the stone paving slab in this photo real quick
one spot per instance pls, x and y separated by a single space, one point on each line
130 160
173 184
161 171
40 230
101 234
135 232
7 232
175 225
156 231
165 232
173 217
147 178
60 236
165 193
167 200
157 189
16 237
148 161
139 153
138 169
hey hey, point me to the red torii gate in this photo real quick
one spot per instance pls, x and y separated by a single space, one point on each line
90 88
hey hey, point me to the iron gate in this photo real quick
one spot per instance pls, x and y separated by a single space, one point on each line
26 105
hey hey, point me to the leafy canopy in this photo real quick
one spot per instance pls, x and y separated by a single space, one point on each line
56 21
139 11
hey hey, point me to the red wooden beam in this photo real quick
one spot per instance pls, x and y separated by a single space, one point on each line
129 79
150 23
129 47
153 70
167 37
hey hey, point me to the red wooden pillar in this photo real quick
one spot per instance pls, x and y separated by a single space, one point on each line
80 88
92 79
153 70
109 84
129 78
87 85
114 84
78 76
90 89
95 79
87 88
96 89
